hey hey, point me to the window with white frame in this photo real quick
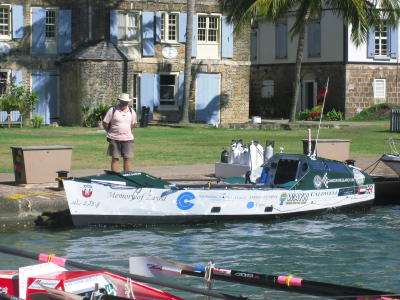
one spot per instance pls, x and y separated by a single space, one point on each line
379 88
168 89
381 40
51 24
3 82
169 27
208 29
5 22
128 26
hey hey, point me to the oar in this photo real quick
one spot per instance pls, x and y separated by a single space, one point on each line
155 266
4 296
67 262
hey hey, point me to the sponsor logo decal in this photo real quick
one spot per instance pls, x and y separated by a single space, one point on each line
294 198
4 290
222 271
325 180
183 201
250 204
45 282
246 275
110 289
317 182
365 189
87 191
346 191
154 267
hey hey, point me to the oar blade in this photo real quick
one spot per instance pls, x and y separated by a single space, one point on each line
53 294
152 266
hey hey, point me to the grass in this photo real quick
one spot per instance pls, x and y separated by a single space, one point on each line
163 145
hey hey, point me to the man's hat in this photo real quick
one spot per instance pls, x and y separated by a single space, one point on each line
124 97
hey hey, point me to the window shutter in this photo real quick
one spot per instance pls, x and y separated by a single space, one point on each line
46 85
158 27
17 77
38 29
18 21
371 43
379 88
181 89
148 33
227 38
147 86
253 46
182 27
114 26
208 98
64 31
194 37
156 90
314 39
393 42
281 37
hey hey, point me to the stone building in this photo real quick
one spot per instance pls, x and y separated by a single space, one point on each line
76 53
360 76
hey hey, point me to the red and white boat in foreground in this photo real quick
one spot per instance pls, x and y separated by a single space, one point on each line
33 279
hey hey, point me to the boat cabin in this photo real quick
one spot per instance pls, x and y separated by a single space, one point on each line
298 171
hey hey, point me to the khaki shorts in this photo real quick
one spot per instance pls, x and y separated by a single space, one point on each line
117 149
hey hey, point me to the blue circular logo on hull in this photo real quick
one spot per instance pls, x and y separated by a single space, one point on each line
183 201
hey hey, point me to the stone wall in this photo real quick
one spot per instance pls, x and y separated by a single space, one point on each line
359 86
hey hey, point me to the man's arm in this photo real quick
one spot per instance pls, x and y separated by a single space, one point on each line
105 125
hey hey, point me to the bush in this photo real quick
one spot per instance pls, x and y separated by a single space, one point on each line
375 112
93 118
37 121
333 115
315 113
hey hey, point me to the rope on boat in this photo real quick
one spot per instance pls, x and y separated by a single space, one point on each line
129 289
375 164
209 270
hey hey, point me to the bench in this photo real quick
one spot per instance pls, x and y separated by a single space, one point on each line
12 118
15 118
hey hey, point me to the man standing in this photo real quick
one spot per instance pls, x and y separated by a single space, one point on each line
118 123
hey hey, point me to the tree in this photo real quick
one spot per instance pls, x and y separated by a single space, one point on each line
188 60
360 14
18 98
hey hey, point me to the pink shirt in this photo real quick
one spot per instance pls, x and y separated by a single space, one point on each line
121 124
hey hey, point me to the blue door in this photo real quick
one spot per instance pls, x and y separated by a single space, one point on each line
208 98
46 85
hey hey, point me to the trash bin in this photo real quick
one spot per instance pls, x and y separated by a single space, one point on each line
144 118
395 120
40 164
329 148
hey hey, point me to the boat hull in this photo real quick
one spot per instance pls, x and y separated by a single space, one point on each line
138 221
392 161
96 203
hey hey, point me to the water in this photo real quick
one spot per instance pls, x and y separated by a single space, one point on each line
359 248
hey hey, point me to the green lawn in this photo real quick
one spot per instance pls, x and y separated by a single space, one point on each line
164 145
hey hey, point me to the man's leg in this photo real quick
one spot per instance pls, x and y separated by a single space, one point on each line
115 164
127 164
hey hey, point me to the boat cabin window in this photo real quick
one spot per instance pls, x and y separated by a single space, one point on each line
286 171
